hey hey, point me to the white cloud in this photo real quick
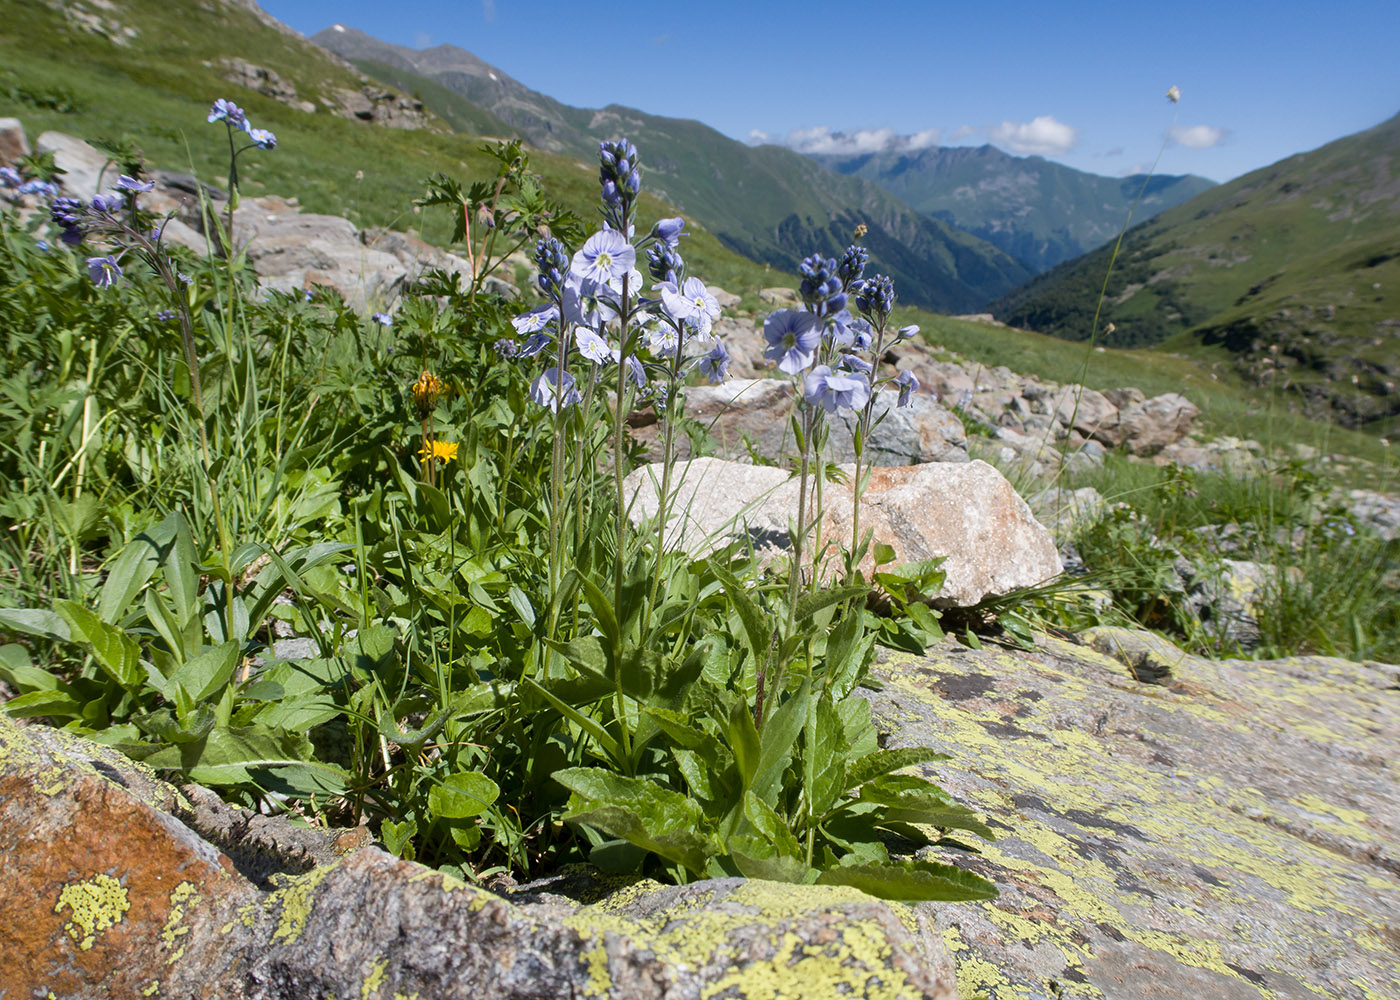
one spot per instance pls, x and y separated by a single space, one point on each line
822 139
757 137
1044 136
1136 168
1197 136
421 39
962 132
488 9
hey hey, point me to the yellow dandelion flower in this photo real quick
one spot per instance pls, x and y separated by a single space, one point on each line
441 451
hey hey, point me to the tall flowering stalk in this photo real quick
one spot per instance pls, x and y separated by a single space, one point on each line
237 126
600 329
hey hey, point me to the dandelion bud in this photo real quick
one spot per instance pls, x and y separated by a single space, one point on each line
1174 94
425 394
861 230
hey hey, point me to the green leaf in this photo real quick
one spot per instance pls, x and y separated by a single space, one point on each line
590 726
888 761
17 671
56 704
756 859
461 796
205 675
397 838
758 628
812 603
226 756
744 743
774 830
828 753
779 735
133 567
677 726
114 650
912 882
639 811
35 621
883 553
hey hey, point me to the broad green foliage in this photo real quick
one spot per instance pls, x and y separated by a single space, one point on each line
487 668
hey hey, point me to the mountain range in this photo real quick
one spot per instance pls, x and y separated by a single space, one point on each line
1293 269
1039 212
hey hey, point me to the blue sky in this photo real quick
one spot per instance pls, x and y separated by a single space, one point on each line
1081 83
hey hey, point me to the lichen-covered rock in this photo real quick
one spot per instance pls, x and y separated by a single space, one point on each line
115 884
965 512
1230 831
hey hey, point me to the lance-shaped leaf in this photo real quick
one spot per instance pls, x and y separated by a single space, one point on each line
912 881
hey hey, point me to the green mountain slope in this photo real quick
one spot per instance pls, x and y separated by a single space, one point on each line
147 71
1039 212
769 204
1294 270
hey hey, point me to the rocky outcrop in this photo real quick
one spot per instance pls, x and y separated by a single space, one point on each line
114 884
267 82
967 513
1167 826
380 106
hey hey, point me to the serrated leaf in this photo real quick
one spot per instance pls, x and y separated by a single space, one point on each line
888 761
778 738
226 756
912 882
758 629
18 671
828 754
812 603
461 796
115 651
639 811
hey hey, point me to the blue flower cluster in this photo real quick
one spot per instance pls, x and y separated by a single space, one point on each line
601 311
826 342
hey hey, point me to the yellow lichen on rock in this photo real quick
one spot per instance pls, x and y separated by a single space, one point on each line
97 905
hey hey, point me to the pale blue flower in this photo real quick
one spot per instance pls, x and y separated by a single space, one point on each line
793 338
536 319
840 329
103 271
10 177
548 391
833 391
506 348
604 256
908 385
262 138
591 346
383 319
715 365
127 183
664 340
534 343
905 332
692 304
